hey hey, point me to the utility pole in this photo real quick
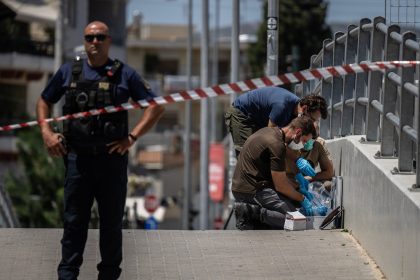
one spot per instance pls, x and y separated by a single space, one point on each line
214 207
187 129
272 37
58 49
234 76
58 43
204 120
215 74
234 46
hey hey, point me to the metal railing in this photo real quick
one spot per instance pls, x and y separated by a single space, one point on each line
381 105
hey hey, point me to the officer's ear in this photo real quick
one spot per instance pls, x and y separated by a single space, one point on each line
304 109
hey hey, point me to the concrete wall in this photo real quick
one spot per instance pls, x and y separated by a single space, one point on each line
380 211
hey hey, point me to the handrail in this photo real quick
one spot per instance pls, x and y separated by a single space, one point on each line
372 97
411 88
339 40
367 27
354 32
413 45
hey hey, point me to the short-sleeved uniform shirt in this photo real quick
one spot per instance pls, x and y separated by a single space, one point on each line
263 152
269 103
129 83
318 155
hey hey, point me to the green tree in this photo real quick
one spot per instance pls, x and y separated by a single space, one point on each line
301 24
37 194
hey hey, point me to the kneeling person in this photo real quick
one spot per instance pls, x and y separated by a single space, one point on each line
261 189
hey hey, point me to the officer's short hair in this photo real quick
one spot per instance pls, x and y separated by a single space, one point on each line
314 103
306 124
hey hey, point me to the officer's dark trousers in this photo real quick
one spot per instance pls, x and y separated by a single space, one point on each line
274 206
100 177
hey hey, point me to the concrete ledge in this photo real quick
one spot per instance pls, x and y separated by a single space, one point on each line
381 212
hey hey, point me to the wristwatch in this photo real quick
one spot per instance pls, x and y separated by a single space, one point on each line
134 138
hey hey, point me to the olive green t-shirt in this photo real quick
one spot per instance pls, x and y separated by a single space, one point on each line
263 151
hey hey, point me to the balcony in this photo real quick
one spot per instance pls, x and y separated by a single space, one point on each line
27 46
26 54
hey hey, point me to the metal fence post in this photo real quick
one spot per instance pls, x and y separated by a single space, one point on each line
392 52
349 83
326 87
375 82
363 48
407 101
337 86
298 90
308 86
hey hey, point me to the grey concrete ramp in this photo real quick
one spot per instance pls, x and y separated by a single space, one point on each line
34 254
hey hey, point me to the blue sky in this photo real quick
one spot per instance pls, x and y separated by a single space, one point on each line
175 11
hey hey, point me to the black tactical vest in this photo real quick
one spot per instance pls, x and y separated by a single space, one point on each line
89 135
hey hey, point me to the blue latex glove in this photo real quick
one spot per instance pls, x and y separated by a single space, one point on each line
303 183
307 194
320 210
307 207
305 167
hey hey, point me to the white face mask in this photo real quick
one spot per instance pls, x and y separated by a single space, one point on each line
295 146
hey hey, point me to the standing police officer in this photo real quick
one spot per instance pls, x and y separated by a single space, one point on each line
96 147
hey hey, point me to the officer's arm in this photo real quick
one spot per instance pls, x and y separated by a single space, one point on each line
52 140
325 163
150 116
283 186
327 171
43 110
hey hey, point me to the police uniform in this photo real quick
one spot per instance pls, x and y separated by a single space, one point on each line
92 173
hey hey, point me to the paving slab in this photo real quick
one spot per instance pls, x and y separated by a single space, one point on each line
175 254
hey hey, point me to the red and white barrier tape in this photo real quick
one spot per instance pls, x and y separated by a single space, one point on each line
224 89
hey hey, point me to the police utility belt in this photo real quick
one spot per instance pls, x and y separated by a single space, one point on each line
90 135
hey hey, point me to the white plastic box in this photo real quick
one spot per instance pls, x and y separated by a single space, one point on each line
295 221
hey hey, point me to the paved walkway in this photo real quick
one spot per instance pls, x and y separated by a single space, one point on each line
307 255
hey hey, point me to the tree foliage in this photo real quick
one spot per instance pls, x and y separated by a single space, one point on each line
301 23
37 194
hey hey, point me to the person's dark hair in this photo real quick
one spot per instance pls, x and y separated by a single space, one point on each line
314 103
306 124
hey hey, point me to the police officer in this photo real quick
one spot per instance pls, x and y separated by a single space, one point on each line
96 147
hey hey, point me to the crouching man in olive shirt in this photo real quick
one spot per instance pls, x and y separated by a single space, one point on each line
263 193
